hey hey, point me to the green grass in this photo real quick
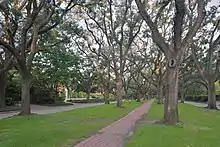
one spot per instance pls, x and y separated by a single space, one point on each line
201 128
60 129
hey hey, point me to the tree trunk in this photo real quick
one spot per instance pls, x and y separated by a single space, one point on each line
3 84
107 87
160 94
182 98
106 96
67 93
126 90
171 102
88 95
211 95
25 94
119 88
138 96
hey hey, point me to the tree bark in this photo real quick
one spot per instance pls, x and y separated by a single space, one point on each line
138 95
171 102
211 95
106 96
88 95
119 88
3 84
126 90
25 94
182 95
160 94
67 93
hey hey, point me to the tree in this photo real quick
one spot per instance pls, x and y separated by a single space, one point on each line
118 22
209 64
96 63
57 66
24 22
102 59
174 49
88 81
138 61
159 71
6 63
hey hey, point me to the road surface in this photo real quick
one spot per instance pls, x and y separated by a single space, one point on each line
201 104
49 109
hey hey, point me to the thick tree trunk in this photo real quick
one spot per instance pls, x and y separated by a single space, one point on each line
106 96
88 95
126 91
171 102
107 86
25 94
160 94
119 88
51 92
138 95
67 93
3 84
211 95
182 98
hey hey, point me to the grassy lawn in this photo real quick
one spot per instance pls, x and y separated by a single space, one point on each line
60 129
201 128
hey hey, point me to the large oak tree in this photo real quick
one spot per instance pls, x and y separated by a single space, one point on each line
175 48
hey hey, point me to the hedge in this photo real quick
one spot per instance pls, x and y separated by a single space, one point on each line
200 98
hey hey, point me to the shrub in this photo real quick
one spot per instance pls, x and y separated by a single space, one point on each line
94 100
74 95
111 97
82 94
198 98
13 91
9 101
97 95
42 96
86 101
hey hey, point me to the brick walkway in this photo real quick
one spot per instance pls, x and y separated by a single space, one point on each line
114 134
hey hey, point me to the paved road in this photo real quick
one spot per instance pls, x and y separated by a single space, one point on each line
196 104
49 109
200 104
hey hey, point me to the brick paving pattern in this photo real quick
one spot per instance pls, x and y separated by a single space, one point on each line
114 134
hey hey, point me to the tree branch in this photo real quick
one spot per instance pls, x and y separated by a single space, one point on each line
157 37
178 23
198 65
161 10
10 48
192 31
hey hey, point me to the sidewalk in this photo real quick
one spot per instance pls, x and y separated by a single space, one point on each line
114 134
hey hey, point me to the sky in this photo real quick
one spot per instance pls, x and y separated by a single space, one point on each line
215 2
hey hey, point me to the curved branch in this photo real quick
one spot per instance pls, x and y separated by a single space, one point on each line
178 23
161 10
192 31
198 65
10 48
157 37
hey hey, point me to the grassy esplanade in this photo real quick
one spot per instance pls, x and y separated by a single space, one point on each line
60 129
200 128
